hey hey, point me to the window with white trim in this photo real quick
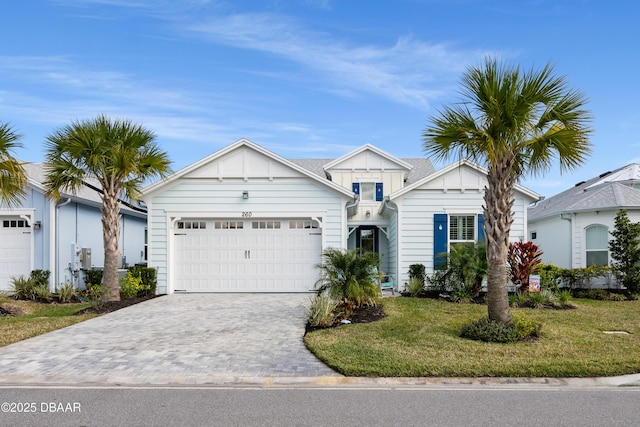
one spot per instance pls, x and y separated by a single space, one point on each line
265 225
462 229
597 245
229 225
15 223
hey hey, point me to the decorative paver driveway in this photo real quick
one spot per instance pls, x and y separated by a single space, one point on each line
180 338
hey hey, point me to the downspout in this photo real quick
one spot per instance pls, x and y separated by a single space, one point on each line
57 239
569 217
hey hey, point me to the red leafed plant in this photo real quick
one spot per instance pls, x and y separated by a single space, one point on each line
522 257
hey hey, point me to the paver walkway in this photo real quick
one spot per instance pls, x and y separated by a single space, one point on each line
179 338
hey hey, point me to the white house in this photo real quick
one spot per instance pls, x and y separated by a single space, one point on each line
247 220
64 237
572 228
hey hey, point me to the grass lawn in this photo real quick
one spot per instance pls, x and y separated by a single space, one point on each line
37 319
419 338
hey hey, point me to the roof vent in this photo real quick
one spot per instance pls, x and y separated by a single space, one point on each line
580 183
602 175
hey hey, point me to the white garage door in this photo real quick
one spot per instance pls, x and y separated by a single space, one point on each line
15 249
256 255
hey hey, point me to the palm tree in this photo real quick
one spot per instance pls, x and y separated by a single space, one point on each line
13 178
121 156
514 122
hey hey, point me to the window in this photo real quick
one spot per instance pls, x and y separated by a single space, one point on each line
462 228
229 225
191 225
268 225
302 224
21 223
597 242
368 191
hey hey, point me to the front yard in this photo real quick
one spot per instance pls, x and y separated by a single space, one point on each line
31 318
419 338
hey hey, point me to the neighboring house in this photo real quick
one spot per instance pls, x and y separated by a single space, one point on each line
247 220
572 228
64 237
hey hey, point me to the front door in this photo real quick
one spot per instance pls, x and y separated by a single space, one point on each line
367 239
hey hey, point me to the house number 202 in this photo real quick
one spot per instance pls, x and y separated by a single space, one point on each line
247 214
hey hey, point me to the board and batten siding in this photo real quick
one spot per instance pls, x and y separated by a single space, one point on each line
288 197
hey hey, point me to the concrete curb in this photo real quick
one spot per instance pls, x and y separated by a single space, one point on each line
315 382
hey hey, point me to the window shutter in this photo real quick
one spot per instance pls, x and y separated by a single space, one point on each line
355 187
378 191
481 236
440 240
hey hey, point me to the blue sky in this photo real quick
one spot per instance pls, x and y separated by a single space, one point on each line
306 78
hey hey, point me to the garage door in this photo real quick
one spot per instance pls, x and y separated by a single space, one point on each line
15 249
257 255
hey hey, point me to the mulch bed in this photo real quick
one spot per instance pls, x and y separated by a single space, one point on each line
110 306
364 314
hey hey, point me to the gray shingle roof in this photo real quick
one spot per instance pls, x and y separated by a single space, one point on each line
610 190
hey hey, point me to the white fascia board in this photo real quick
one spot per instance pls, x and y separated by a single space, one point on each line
464 162
146 192
371 148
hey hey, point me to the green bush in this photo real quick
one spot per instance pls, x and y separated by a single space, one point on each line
616 297
563 297
550 276
415 287
417 271
130 286
489 331
65 293
41 292
40 277
149 279
93 277
321 312
22 288
526 327
521 328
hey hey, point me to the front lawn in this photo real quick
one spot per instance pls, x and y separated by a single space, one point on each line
419 338
32 318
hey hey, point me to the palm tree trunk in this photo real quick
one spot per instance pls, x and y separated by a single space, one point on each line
498 199
111 232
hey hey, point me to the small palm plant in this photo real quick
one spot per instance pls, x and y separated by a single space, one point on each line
349 276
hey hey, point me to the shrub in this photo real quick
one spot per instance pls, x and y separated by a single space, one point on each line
3 297
616 297
416 286
598 294
521 328
95 294
41 292
40 277
22 288
130 286
537 299
321 312
149 279
550 276
93 277
438 281
522 258
417 271
526 327
349 276
462 295
563 297
65 293
489 331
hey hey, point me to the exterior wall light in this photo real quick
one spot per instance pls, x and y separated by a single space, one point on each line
245 195
37 225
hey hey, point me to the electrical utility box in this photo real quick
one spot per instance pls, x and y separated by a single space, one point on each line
85 258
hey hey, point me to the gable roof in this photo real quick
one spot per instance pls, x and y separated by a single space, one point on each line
608 191
462 163
420 167
253 146
369 147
